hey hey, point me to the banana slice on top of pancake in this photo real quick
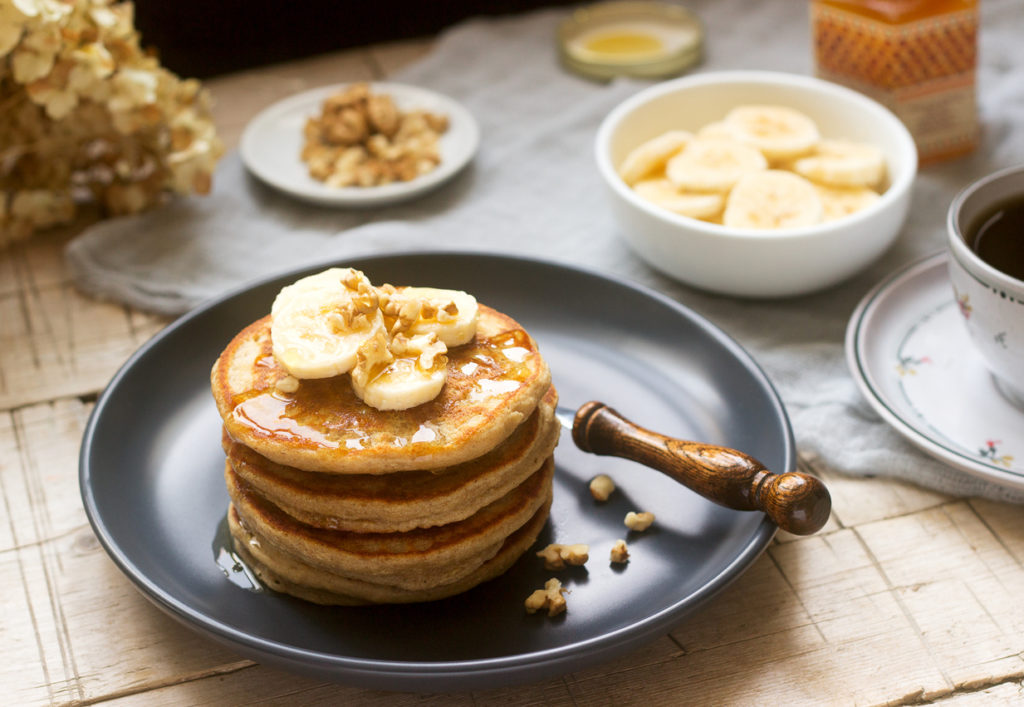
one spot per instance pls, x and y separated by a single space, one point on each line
320 321
391 340
401 373
451 315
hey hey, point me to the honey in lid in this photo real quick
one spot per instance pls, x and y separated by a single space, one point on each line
640 39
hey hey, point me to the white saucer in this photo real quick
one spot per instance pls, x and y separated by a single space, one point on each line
909 352
272 142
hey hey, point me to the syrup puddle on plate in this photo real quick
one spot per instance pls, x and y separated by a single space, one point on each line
237 572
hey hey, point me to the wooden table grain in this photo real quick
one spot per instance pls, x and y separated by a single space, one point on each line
906 597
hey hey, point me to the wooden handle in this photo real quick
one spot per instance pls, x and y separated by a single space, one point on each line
796 502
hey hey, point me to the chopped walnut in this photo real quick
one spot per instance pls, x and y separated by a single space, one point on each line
433 353
288 384
338 322
620 553
362 139
349 127
372 353
344 319
410 310
557 556
639 521
425 348
601 487
352 279
447 313
401 312
383 114
550 598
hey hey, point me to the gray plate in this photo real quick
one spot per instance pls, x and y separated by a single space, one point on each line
151 474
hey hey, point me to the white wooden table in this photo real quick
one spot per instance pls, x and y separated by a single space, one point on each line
906 597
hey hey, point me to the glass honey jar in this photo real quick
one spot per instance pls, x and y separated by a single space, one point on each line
917 57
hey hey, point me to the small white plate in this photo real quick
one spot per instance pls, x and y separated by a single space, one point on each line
910 354
272 142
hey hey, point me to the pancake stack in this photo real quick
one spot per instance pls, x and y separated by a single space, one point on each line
337 502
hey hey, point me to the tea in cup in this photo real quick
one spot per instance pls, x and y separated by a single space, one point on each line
985 228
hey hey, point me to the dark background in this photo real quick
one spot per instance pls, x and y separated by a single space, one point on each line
205 38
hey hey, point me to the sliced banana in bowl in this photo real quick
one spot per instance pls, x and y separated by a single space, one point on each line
674 169
773 199
780 133
840 202
664 193
843 163
713 165
651 155
826 194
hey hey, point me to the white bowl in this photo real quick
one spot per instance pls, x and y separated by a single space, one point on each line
748 262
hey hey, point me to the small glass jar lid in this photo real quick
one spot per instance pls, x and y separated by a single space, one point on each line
640 39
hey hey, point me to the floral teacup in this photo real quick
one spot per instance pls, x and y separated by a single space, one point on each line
991 302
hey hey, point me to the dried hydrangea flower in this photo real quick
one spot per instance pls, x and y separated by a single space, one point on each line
88 116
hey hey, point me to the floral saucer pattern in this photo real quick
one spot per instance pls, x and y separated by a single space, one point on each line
911 356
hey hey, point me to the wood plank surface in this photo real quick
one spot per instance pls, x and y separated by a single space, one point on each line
907 597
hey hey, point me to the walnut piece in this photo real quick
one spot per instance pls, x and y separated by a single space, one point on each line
426 349
383 114
557 556
639 522
288 384
550 598
601 487
620 552
361 139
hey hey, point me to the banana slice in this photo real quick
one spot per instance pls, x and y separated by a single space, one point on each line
779 132
717 129
664 193
402 373
841 163
650 156
839 202
713 165
772 199
449 314
319 322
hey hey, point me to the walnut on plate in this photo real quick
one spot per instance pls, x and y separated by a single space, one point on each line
362 139
639 522
557 556
550 598
620 552
601 487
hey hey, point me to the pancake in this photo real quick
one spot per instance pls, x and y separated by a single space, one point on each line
285 573
494 383
402 500
414 560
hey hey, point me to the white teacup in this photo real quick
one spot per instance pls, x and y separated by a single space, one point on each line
991 302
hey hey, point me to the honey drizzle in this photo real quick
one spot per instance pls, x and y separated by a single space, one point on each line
499 365
266 413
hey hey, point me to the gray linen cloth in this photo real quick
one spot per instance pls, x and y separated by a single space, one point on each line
534 189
